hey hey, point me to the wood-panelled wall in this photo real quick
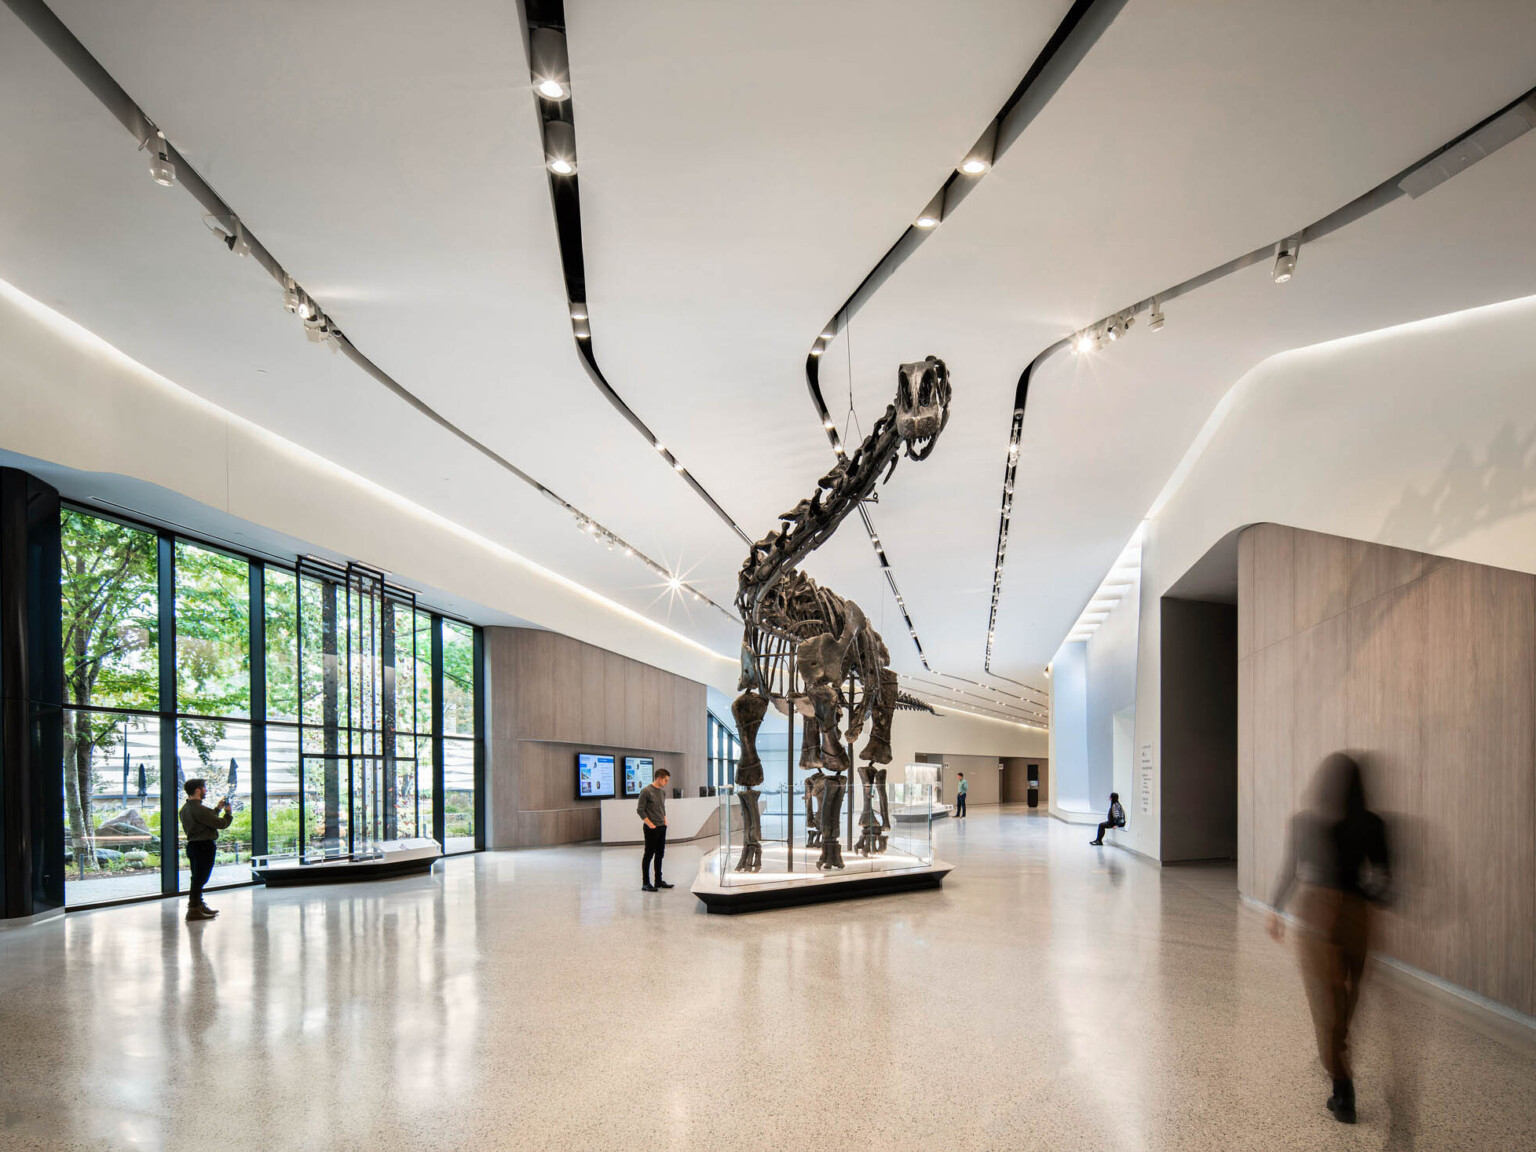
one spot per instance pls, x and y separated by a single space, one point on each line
1424 668
552 697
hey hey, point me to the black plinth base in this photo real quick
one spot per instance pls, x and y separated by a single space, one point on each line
813 889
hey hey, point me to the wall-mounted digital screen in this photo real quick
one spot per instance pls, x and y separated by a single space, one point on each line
637 773
594 776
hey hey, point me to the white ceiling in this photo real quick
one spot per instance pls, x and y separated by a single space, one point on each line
742 167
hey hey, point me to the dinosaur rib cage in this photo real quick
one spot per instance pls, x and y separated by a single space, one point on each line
795 610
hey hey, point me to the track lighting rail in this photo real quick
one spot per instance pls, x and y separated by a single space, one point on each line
169 167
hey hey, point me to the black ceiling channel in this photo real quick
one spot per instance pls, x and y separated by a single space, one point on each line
63 43
1077 33
1073 38
1492 132
557 122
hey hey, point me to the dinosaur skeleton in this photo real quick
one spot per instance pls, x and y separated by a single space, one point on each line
807 648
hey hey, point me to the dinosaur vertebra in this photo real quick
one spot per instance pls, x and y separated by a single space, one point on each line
800 634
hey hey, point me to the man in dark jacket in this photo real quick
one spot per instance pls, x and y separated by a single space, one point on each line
202 826
1116 818
653 814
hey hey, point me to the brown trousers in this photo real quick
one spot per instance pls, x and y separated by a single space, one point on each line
1336 929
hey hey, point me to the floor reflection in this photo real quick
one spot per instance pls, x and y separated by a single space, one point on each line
1047 995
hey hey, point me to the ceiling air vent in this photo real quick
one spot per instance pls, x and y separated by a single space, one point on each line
1467 151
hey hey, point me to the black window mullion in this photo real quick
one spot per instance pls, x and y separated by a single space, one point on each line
439 809
258 642
480 730
170 799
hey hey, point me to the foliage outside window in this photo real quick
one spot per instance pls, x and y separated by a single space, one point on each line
112 617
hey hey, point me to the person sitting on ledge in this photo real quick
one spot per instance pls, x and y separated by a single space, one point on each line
1116 818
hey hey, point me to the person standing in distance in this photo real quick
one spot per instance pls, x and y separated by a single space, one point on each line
653 813
960 797
202 825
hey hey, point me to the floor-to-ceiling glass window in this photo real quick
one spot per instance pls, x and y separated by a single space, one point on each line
356 713
213 696
459 720
110 603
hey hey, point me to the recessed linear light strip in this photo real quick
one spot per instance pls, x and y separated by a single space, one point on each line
1009 709
1482 139
549 70
938 700
1078 31
1023 700
169 167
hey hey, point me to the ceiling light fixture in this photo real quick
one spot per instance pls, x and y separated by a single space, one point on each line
578 310
1155 321
1285 259
1084 342
933 214
560 147
550 63
979 158
817 349
162 169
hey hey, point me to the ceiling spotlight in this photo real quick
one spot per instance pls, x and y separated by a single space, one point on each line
1155 321
1285 260
560 147
1114 331
829 425
677 464
828 334
578 310
292 298
817 349
550 64
1083 343
161 167
979 158
674 583
658 445
931 215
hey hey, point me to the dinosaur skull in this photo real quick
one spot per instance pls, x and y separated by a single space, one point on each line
922 404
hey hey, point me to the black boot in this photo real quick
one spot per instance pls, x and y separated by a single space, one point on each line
1342 1102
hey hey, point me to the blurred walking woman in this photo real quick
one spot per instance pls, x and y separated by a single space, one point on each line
1337 864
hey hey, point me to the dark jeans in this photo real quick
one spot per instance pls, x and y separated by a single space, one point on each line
655 848
200 855
1105 827
960 805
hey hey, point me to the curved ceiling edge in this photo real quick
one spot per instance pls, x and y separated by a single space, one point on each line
543 27
1077 33
170 168
1488 134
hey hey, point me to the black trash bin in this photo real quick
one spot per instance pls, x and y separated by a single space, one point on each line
1034 785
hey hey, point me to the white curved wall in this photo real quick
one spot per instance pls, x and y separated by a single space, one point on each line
1421 437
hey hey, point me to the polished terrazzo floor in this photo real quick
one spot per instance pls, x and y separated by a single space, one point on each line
1049 996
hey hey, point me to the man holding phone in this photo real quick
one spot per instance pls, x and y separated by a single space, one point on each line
202 825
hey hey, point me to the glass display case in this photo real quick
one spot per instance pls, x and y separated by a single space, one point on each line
794 846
